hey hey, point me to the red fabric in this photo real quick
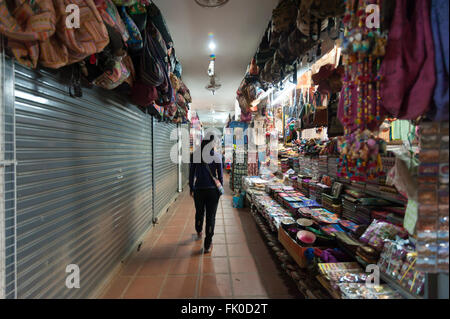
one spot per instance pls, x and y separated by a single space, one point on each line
408 69
142 94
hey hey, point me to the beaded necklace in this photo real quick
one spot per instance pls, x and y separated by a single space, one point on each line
363 49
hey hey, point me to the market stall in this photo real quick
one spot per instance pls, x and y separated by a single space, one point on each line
361 152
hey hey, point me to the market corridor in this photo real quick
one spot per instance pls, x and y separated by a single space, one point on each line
170 263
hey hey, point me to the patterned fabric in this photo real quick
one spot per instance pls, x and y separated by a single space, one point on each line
135 41
37 32
111 16
125 3
113 78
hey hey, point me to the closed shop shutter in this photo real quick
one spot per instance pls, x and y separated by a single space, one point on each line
84 184
165 169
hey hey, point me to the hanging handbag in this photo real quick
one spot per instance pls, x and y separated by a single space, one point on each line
135 42
30 30
219 186
111 79
143 94
408 71
138 13
91 37
155 15
150 70
283 17
111 17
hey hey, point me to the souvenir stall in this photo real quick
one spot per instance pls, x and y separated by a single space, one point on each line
362 180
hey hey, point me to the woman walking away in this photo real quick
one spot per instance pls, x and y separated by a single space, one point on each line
204 190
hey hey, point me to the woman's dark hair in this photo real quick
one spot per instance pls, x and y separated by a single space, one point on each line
205 142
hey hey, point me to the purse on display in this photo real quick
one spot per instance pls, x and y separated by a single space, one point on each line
150 70
111 17
155 15
138 13
37 32
91 37
114 77
135 42
283 17
408 74
143 94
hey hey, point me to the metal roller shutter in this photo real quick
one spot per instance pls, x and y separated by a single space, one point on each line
164 169
84 184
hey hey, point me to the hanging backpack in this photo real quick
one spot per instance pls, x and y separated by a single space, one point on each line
135 42
30 30
111 17
143 94
155 15
283 17
150 70
138 13
91 37
408 70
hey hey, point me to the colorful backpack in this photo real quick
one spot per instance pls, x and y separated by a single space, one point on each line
138 13
28 40
135 42
111 16
91 37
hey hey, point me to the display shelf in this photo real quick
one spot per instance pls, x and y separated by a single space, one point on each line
390 199
399 288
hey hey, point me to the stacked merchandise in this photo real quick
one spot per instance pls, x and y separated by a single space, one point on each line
284 163
295 165
397 261
239 169
333 167
323 165
304 163
252 163
333 201
315 171
348 281
433 222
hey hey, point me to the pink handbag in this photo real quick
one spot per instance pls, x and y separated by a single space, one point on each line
408 69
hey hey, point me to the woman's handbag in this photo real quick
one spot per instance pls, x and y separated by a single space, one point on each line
216 181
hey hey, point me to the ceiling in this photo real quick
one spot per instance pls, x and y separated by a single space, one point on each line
238 28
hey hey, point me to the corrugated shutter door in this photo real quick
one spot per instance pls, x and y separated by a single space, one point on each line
84 184
165 170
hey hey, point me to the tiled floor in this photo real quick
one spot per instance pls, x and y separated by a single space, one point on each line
171 264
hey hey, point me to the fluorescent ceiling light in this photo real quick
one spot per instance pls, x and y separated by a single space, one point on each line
212 46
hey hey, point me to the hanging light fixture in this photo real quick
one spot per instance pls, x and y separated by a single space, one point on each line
211 3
